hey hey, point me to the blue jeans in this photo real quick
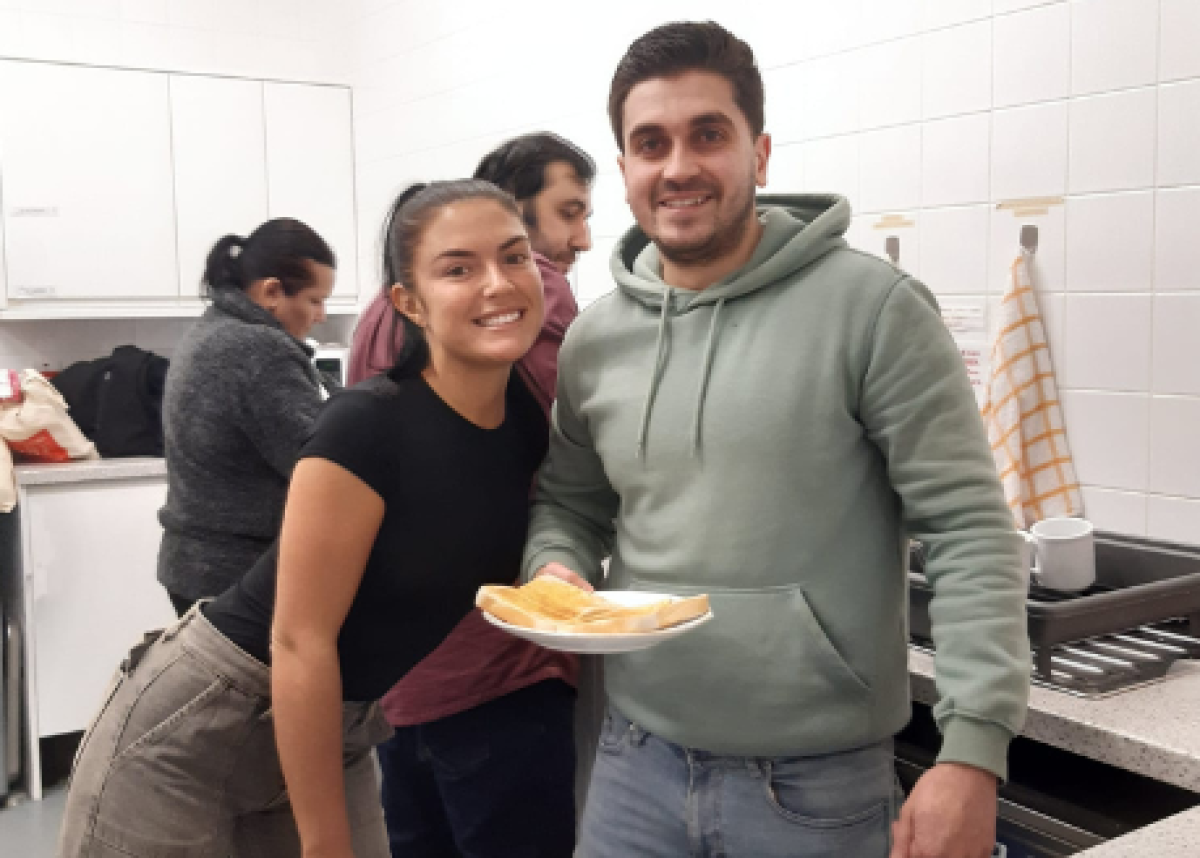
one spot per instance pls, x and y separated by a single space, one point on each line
494 780
654 799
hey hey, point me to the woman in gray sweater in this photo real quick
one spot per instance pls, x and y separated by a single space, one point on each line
241 397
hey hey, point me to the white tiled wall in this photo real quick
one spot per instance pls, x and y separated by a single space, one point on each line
298 40
937 110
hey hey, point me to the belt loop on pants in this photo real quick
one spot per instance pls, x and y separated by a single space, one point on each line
172 630
637 736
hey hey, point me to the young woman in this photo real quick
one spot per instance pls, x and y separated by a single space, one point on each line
411 493
482 760
241 397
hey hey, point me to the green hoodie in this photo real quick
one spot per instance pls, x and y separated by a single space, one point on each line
773 441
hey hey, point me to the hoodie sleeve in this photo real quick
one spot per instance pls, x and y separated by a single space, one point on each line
574 508
378 338
919 410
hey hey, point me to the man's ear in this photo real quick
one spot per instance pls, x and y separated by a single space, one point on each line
762 154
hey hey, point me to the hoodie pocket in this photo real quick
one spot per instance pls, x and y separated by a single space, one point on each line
763 662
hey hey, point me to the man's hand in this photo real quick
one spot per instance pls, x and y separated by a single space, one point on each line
571 577
951 813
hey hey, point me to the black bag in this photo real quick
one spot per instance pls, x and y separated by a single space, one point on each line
117 400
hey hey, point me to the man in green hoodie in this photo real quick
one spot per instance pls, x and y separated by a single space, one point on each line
762 414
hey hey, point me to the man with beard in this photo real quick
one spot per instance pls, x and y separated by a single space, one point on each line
764 415
551 179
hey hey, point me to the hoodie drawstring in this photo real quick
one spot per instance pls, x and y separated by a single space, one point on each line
660 353
656 376
709 348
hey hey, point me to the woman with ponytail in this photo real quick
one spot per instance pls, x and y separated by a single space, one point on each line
247 728
482 760
241 397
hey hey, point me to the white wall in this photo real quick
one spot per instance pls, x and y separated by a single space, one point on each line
294 40
297 40
935 109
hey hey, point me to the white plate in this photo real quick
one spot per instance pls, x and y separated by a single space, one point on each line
601 644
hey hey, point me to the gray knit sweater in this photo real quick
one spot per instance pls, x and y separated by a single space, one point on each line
241 397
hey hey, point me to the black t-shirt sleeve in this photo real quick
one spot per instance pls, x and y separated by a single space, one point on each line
351 432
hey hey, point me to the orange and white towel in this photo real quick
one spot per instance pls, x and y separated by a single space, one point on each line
1023 416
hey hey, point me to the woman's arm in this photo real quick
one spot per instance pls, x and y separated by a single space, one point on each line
329 527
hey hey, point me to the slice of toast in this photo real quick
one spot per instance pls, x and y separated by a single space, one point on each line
551 604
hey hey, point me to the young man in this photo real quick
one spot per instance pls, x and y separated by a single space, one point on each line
762 414
551 180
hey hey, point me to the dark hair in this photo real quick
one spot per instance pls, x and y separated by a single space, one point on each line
280 248
402 230
684 46
519 165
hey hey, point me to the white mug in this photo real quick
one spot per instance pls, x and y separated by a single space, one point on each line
1063 554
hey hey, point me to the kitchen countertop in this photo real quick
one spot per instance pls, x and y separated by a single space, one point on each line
1175 837
1151 730
90 471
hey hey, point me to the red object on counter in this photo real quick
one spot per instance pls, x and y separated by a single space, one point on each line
40 447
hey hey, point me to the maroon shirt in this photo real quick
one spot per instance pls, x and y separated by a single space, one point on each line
477 662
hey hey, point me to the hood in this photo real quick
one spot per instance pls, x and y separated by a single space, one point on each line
797 230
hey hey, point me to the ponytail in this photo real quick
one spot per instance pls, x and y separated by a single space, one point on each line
413 355
222 268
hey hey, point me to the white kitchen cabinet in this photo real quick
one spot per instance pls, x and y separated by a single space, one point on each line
3 264
94 550
89 209
220 166
310 167
85 563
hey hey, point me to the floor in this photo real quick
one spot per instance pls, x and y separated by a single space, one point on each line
30 829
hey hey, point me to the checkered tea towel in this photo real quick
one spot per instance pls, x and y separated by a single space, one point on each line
1023 416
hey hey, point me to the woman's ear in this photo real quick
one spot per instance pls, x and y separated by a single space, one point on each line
406 301
266 293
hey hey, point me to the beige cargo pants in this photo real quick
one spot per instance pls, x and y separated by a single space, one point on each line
181 760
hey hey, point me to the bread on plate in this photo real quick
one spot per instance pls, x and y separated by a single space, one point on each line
551 604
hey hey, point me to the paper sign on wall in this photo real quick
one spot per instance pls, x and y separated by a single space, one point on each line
966 319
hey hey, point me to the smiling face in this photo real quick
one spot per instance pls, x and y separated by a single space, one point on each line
478 294
691 164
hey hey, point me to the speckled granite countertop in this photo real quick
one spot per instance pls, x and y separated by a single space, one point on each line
1154 731
1175 837
90 471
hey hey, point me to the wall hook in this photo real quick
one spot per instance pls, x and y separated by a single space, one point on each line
1029 238
891 246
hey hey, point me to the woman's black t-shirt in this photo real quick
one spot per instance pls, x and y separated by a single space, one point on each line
456 500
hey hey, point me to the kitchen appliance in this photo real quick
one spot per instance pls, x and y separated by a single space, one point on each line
1054 803
1141 615
10 703
11 697
332 359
